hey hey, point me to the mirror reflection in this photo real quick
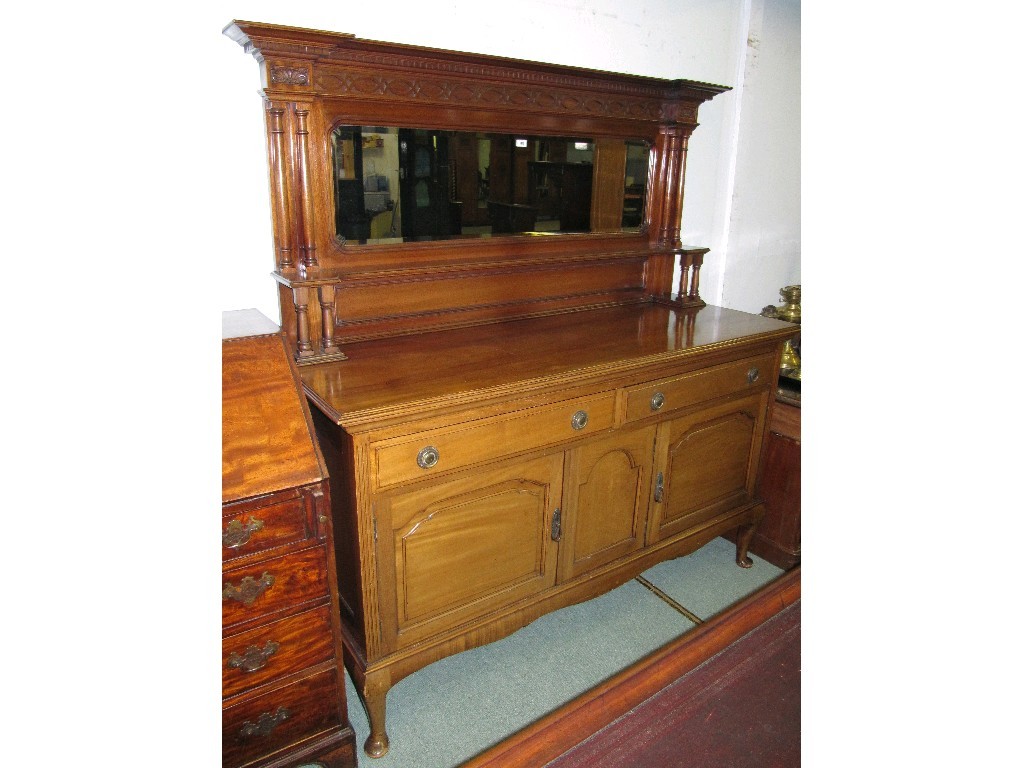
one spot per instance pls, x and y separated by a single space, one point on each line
394 184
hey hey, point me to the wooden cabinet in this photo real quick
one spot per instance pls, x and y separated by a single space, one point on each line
284 694
778 537
467 505
511 423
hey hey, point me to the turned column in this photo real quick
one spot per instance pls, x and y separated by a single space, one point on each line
666 214
304 184
278 154
300 295
328 346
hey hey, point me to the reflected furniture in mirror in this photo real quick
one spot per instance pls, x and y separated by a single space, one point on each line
515 416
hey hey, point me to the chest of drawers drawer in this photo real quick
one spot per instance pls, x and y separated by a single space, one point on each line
689 389
281 717
257 527
416 456
259 590
282 647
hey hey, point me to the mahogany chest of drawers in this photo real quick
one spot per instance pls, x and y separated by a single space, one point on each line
283 686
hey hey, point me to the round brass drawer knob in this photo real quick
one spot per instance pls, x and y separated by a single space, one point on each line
657 401
580 419
427 457
752 375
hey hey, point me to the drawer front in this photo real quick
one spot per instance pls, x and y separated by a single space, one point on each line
281 717
664 395
415 457
249 529
261 589
290 645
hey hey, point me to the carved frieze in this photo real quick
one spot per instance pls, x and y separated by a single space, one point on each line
289 75
341 81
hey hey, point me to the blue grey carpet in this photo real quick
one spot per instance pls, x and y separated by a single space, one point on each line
446 713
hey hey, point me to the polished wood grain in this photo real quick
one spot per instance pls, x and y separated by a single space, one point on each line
683 391
483 440
710 460
283 702
778 537
420 374
266 438
282 717
435 540
259 655
266 524
290 581
606 500
493 399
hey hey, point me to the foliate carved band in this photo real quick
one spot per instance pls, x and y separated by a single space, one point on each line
433 90
289 76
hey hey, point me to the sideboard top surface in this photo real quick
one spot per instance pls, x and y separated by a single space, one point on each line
411 374
267 437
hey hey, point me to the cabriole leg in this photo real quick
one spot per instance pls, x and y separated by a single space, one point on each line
375 694
746 535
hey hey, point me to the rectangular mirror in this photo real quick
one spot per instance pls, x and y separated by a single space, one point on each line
410 184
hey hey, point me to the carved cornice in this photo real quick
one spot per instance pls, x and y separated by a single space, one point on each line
350 66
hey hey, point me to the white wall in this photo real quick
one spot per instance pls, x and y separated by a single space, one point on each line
742 195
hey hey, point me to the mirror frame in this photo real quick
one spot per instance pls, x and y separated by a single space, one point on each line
312 80
333 293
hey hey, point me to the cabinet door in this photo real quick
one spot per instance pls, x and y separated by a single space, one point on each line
608 486
707 464
454 551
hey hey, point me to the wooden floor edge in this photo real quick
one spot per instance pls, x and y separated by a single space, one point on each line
554 734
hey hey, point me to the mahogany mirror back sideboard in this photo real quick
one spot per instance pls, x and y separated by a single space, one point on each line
520 397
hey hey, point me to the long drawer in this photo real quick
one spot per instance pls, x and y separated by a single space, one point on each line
677 392
253 528
282 647
261 589
280 718
416 456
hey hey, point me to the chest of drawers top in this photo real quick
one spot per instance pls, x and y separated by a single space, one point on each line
267 439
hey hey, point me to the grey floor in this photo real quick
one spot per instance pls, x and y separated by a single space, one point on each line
455 708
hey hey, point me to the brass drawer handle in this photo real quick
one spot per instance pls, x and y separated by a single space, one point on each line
250 588
752 375
237 534
428 457
264 724
579 420
254 657
657 401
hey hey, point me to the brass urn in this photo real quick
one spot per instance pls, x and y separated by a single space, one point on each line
789 366
790 311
